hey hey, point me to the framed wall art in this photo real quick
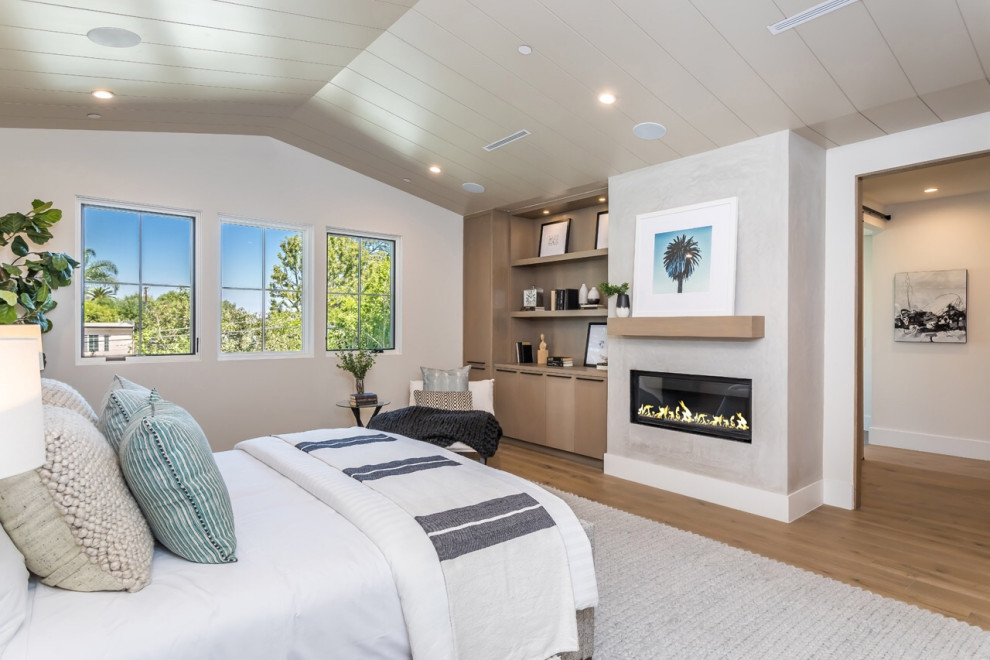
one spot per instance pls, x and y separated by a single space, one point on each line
685 261
554 237
601 231
930 306
595 348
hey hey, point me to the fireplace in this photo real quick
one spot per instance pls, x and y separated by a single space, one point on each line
707 405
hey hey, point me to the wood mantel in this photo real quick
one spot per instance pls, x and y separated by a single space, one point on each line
688 327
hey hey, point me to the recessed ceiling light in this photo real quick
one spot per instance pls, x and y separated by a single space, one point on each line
546 211
607 98
94 115
407 180
103 94
601 199
931 190
649 130
475 188
525 50
435 169
113 37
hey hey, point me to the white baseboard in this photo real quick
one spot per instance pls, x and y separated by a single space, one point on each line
785 508
935 444
839 494
867 422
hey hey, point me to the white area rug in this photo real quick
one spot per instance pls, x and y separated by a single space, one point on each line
666 593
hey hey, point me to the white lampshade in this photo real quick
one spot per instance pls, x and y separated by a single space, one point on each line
22 429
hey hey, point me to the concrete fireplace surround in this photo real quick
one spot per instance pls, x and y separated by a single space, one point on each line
779 181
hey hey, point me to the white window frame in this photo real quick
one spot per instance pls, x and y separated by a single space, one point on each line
307 297
79 293
397 283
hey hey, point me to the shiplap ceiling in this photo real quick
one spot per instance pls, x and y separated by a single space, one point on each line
390 87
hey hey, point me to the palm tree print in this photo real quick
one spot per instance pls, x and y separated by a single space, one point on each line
680 259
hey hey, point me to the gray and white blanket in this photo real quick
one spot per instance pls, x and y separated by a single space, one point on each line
486 565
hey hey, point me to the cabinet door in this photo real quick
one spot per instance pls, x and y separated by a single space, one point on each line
590 405
478 290
520 405
560 412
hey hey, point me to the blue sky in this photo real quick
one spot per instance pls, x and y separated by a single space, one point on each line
699 280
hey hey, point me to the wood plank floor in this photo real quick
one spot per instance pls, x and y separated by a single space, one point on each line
922 535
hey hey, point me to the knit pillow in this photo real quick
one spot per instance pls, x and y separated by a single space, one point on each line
445 380
170 468
444 400
120 407
73 518
63 395
14 593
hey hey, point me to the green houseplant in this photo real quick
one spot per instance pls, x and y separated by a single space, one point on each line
27 282
621 293
358 363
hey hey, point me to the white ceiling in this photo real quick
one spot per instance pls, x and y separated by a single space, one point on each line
390 87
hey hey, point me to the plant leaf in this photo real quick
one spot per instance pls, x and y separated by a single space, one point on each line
20 247
8 314
26 301
8 297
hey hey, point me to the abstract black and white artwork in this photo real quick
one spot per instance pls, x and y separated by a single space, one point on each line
930 306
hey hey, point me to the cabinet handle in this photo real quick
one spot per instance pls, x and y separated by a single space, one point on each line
530 373
507 371
473 362
557 376
593 380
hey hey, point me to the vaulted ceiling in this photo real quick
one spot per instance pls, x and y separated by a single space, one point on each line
391 87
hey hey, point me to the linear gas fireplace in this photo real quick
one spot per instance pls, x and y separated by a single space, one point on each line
707 405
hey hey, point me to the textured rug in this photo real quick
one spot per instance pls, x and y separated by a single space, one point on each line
666 593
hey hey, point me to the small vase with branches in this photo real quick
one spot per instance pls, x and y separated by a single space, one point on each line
357 363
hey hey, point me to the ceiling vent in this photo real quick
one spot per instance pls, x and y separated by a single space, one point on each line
808 15
518 135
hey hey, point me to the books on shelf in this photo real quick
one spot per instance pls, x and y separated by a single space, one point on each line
560 361
363 399
561 299
524 352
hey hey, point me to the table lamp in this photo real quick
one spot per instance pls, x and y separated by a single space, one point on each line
22 427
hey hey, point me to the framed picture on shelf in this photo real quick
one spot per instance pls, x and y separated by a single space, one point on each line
601 231
684 262
596 344
554 237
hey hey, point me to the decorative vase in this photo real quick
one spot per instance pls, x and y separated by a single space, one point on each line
622 305
583 294
593 296
359 385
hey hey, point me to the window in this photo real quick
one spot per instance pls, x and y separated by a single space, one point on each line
261 281
360 292
138 281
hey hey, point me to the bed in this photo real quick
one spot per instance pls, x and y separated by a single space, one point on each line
308 583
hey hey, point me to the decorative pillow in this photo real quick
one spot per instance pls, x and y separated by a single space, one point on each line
444 400
450 380
13 589
482 394
121 406
169 466
63 395
73 518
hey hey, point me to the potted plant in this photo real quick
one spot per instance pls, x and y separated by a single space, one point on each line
358 363
621 293
27 282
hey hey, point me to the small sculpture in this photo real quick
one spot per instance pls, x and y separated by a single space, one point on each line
542 354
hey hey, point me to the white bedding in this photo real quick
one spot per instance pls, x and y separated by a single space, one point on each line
307 584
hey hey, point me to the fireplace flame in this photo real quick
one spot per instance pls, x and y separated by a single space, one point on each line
683 414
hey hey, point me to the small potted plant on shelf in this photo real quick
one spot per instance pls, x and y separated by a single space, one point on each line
621 293
357 363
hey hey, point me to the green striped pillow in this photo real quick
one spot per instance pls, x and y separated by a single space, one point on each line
119 408
169 467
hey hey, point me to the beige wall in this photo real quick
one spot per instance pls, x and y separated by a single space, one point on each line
932 397
251 177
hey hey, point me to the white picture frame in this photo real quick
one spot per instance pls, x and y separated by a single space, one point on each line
596 345
685 260
601 231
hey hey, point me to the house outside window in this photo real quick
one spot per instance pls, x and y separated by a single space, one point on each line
360 291
262 301
138 281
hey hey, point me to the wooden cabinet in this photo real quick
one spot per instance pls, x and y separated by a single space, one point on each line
562 408
486 255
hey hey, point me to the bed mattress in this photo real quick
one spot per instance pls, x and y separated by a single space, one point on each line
307 584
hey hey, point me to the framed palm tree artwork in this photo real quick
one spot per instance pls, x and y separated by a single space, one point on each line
685 261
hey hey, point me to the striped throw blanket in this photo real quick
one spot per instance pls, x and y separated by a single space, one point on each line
486 564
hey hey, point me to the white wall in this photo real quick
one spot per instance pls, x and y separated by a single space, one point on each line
778 180
253 177
931 397
842 167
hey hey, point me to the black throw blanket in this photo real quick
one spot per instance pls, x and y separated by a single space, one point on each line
478 429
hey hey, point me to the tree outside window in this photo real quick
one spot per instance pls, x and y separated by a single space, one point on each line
360 292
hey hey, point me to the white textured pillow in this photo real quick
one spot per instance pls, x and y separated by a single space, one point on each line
74 519
445 380
13 589
482 394
63 395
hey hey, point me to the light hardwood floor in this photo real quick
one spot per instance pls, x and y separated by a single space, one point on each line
922 535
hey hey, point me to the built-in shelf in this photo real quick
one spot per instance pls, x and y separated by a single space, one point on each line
560 313
576 371
557 258
688 327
